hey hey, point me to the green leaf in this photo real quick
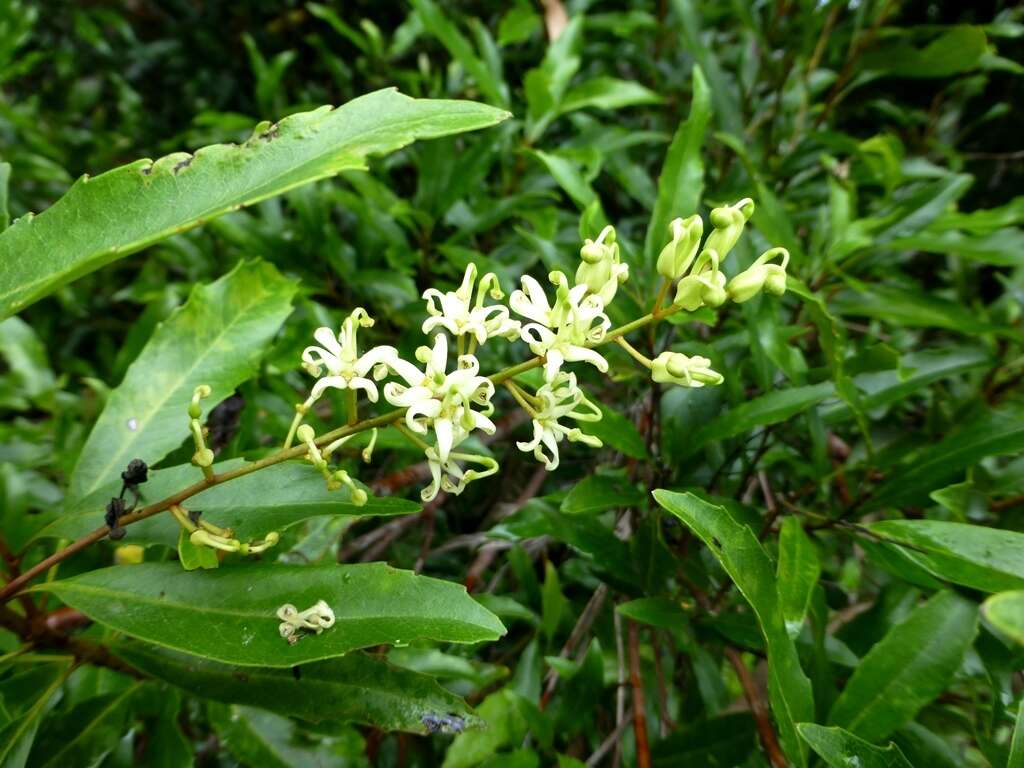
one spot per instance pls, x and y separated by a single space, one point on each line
355 688
975 556
435 22
216 338
122 211
841 749
1016 756
192 557
18 735
607 93
744 559
616 431
718 741
997 433
230 614
1004 247
598 493
656 611
87 732
271 499
505 725
798 573
261 738
681 182
908 668
770 408
958 49
1005 612
900 306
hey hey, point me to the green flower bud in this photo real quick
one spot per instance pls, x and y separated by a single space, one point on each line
688 293
728 222
775 282
676 257
746 285
203 458
677 368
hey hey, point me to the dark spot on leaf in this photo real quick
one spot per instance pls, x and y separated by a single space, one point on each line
162 594
717 544
271 133
182 165
147 170
241 677
297 673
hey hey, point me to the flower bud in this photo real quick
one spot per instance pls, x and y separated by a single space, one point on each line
688 293
775 282
677 368
676 257
746 285
305 433
728 222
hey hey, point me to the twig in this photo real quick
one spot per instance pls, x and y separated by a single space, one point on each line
643 749
611 740
620 689
769 740
666 724
583 625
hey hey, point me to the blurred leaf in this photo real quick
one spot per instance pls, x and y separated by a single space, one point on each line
656 611
744 559
957 49
972 555
374 604
505 725
25 354
1016 757
357 687
216 338
899 306
1005 612
607 93
841 749
725 740
908 668
798 574
1004 247
18 735
769 408
598 493
155 200
681 182
996 433
87 733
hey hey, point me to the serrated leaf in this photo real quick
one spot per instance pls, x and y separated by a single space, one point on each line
744 559
216 338
907 668
355 688
1005 612
972 555
271 499
841 749
122 211
230 614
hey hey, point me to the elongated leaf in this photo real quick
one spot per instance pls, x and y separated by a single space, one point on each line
682 175
1016 757
973 555
357 688
901 306
747 564
798 573
841 749
958 49
1005 612
997 433
725 740
770 408
616 431
908 668
230 614
271 499
17 736
600 492
607 93
261 738
216 338
120 212
87 732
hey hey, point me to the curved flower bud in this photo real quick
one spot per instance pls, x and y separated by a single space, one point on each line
760 274
677 368
600 269
728 223
705 285
676 257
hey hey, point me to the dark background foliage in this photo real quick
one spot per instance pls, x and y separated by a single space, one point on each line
883 386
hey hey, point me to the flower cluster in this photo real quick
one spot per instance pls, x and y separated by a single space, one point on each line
443 409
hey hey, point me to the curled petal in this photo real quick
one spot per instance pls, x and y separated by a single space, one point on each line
329 382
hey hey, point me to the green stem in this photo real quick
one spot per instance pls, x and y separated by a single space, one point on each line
644 361
518 395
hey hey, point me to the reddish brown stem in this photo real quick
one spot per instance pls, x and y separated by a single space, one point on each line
752 693
643 749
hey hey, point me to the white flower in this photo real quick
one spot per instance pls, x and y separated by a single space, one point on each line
435 398
452 478
339 354
454 311
561 398
565 331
